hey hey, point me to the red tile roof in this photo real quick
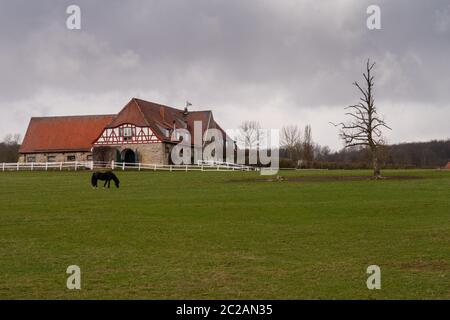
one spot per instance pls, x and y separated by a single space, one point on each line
71 133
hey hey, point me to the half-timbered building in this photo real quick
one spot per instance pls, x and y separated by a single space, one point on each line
140 132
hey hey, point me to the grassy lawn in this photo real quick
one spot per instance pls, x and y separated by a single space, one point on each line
202 235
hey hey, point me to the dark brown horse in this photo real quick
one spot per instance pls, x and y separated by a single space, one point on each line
104 176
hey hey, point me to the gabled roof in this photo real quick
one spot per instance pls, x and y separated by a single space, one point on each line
158 116
67 133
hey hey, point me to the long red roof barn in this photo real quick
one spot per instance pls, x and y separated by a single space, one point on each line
66 133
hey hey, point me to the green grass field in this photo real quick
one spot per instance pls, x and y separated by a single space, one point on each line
219 235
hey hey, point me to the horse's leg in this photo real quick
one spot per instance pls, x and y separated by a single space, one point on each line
109 183
93 181
104 185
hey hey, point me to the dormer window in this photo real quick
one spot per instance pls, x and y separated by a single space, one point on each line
164 131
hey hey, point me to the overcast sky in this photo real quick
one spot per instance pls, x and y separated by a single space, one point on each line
278 62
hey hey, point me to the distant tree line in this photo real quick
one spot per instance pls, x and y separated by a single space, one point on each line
298 150
432 154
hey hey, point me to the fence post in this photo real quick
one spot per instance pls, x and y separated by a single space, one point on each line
46 166
170 168
123 166
186 168
76 165
60 166
32 166
3 167
202 167
92 164
17 166
218 167
139 167
112 164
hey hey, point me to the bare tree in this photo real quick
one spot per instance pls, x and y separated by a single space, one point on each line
249 138
250 134
9 148
11 139
291 139
308 146
365 126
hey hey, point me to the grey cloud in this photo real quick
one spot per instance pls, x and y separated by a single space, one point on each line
289 60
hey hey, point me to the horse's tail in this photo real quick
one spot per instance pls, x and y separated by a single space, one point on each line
94 179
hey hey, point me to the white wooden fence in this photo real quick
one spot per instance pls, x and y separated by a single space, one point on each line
98 165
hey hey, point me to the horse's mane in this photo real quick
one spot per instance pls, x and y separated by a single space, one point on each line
114 177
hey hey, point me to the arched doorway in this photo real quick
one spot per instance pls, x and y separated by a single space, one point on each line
128 156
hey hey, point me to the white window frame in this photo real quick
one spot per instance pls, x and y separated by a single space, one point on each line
31 159
127 132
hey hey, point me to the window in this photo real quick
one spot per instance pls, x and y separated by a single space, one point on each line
127 132
71 158
31 159
51 158
89 157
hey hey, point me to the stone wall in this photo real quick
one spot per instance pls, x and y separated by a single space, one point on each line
55 157
151 153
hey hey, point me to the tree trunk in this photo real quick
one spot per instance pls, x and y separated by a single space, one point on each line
376 164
